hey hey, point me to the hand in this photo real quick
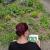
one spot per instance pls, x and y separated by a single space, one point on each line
38 42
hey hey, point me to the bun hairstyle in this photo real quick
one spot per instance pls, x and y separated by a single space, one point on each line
21 28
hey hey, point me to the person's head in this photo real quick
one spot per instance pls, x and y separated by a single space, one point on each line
22 29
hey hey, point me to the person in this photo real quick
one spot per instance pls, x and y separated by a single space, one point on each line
22 42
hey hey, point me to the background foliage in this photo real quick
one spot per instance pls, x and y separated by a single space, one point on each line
30 11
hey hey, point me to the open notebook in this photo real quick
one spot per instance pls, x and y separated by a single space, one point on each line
33 38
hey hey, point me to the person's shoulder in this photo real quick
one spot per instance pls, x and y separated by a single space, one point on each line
34 44
12 43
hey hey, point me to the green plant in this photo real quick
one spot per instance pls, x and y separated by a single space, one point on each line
44 22
34 14
29 2
8 17
39 6
2 26
4 11
28 9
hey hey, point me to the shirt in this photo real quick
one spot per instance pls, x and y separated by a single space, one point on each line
25 46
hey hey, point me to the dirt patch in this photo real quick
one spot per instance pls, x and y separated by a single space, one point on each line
45 45
46 4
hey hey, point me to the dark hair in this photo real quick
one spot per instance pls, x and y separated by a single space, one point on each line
21 28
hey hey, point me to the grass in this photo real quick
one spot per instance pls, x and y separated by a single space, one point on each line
44 21
6 38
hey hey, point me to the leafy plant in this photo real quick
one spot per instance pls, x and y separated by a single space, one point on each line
39 6
34 14
44 21
29 2
28 9
8 17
